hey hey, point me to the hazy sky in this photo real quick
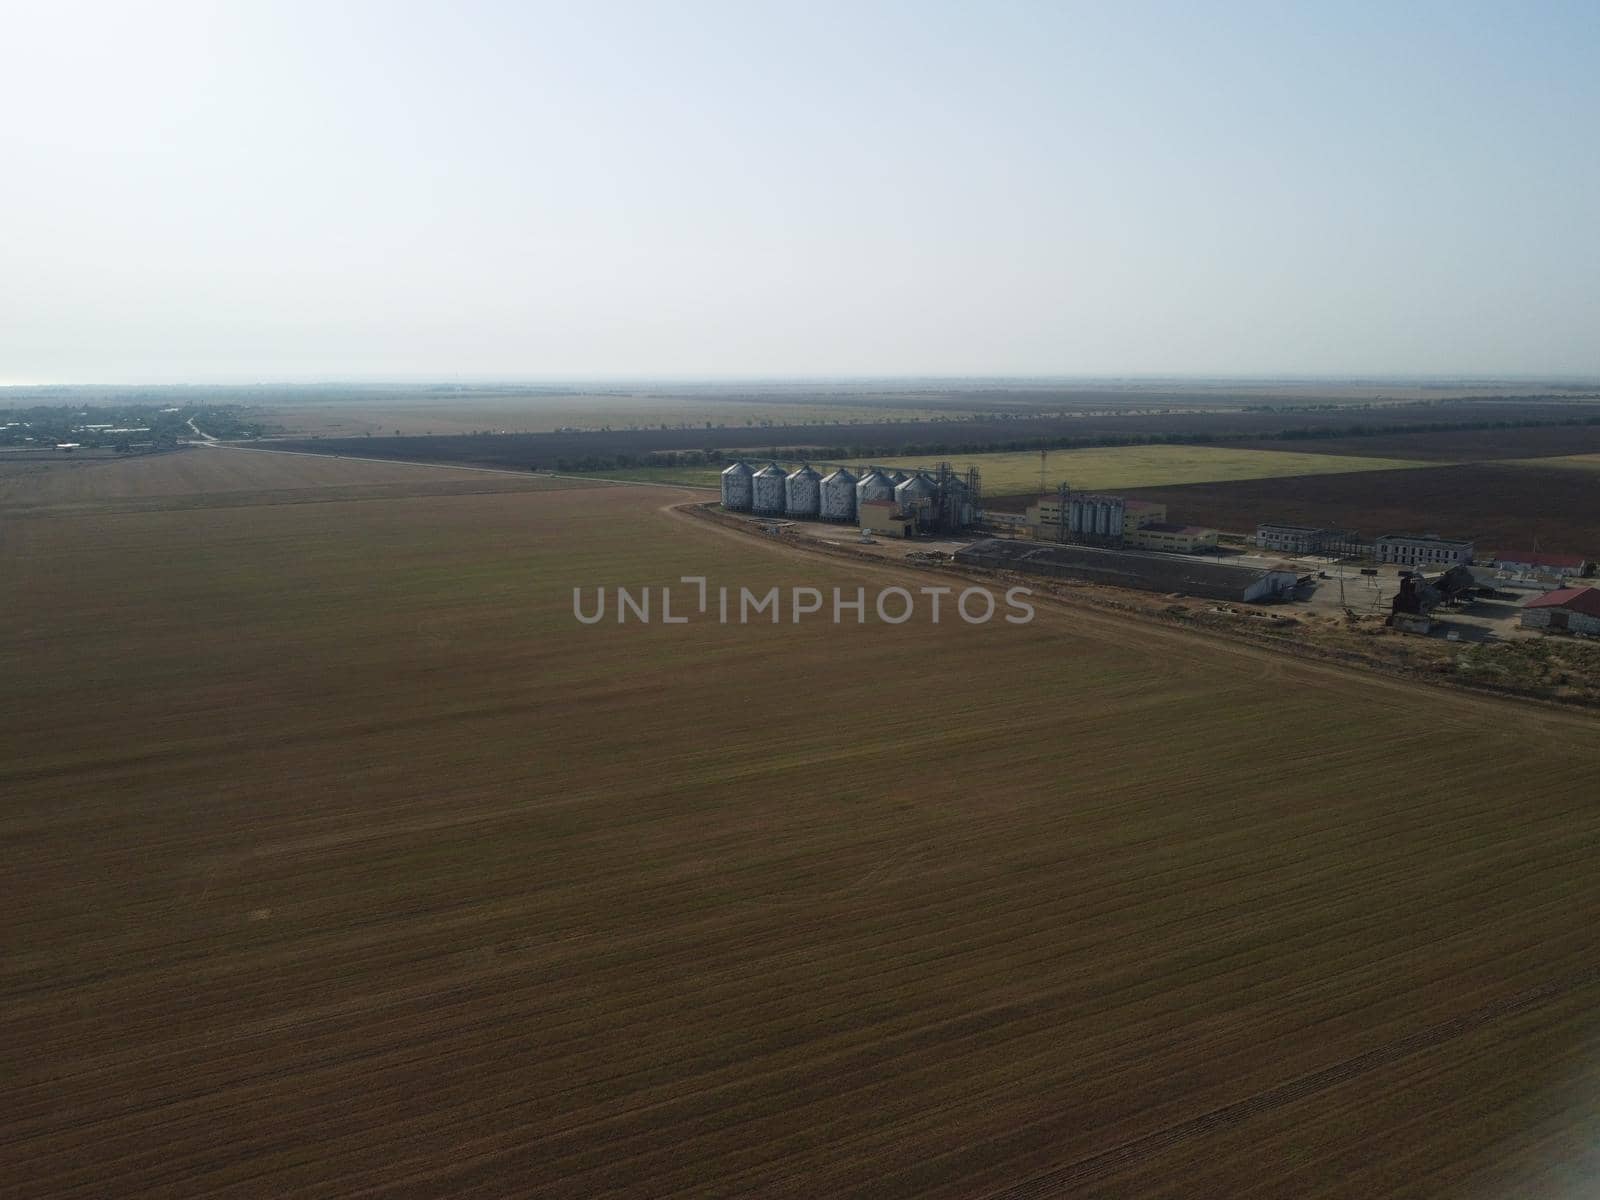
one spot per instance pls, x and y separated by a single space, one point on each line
278 190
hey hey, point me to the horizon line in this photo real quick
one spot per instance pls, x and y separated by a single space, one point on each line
1080 378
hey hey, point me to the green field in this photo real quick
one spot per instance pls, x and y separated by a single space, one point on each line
1100 469
709 477
343 860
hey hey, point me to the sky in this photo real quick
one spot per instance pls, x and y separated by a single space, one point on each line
240 192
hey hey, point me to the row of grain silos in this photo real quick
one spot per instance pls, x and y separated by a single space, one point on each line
839 495
802 493
1097 516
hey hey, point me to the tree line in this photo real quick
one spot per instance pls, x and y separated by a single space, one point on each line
712 457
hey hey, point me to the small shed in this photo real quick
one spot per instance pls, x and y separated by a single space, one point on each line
883 517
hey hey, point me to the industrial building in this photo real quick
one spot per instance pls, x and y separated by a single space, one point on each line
1064 516
1304 539
936 502
1537 562
1422 550
1091 519
1419 595
1081 517
1427 550
1121 568
1569 610
1289 539
1174 539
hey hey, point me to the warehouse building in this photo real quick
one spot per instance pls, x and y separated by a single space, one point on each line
1569 610
1122 568
1174 539
1536 562
1422 550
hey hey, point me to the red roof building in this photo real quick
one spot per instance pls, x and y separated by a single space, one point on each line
1578 599
1576 610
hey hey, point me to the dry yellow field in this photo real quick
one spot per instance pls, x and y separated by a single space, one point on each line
209 476
342 860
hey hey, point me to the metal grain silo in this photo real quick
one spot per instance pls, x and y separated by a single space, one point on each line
1107 513
736 487
838 501
766 491
802 493
916 495
898 477
874 485
955 502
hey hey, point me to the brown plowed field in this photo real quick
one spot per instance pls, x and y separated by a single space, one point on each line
1462 445
1501 506
342 860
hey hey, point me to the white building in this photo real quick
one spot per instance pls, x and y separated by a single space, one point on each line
1422 550
1536 562
1289 539
1303 539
